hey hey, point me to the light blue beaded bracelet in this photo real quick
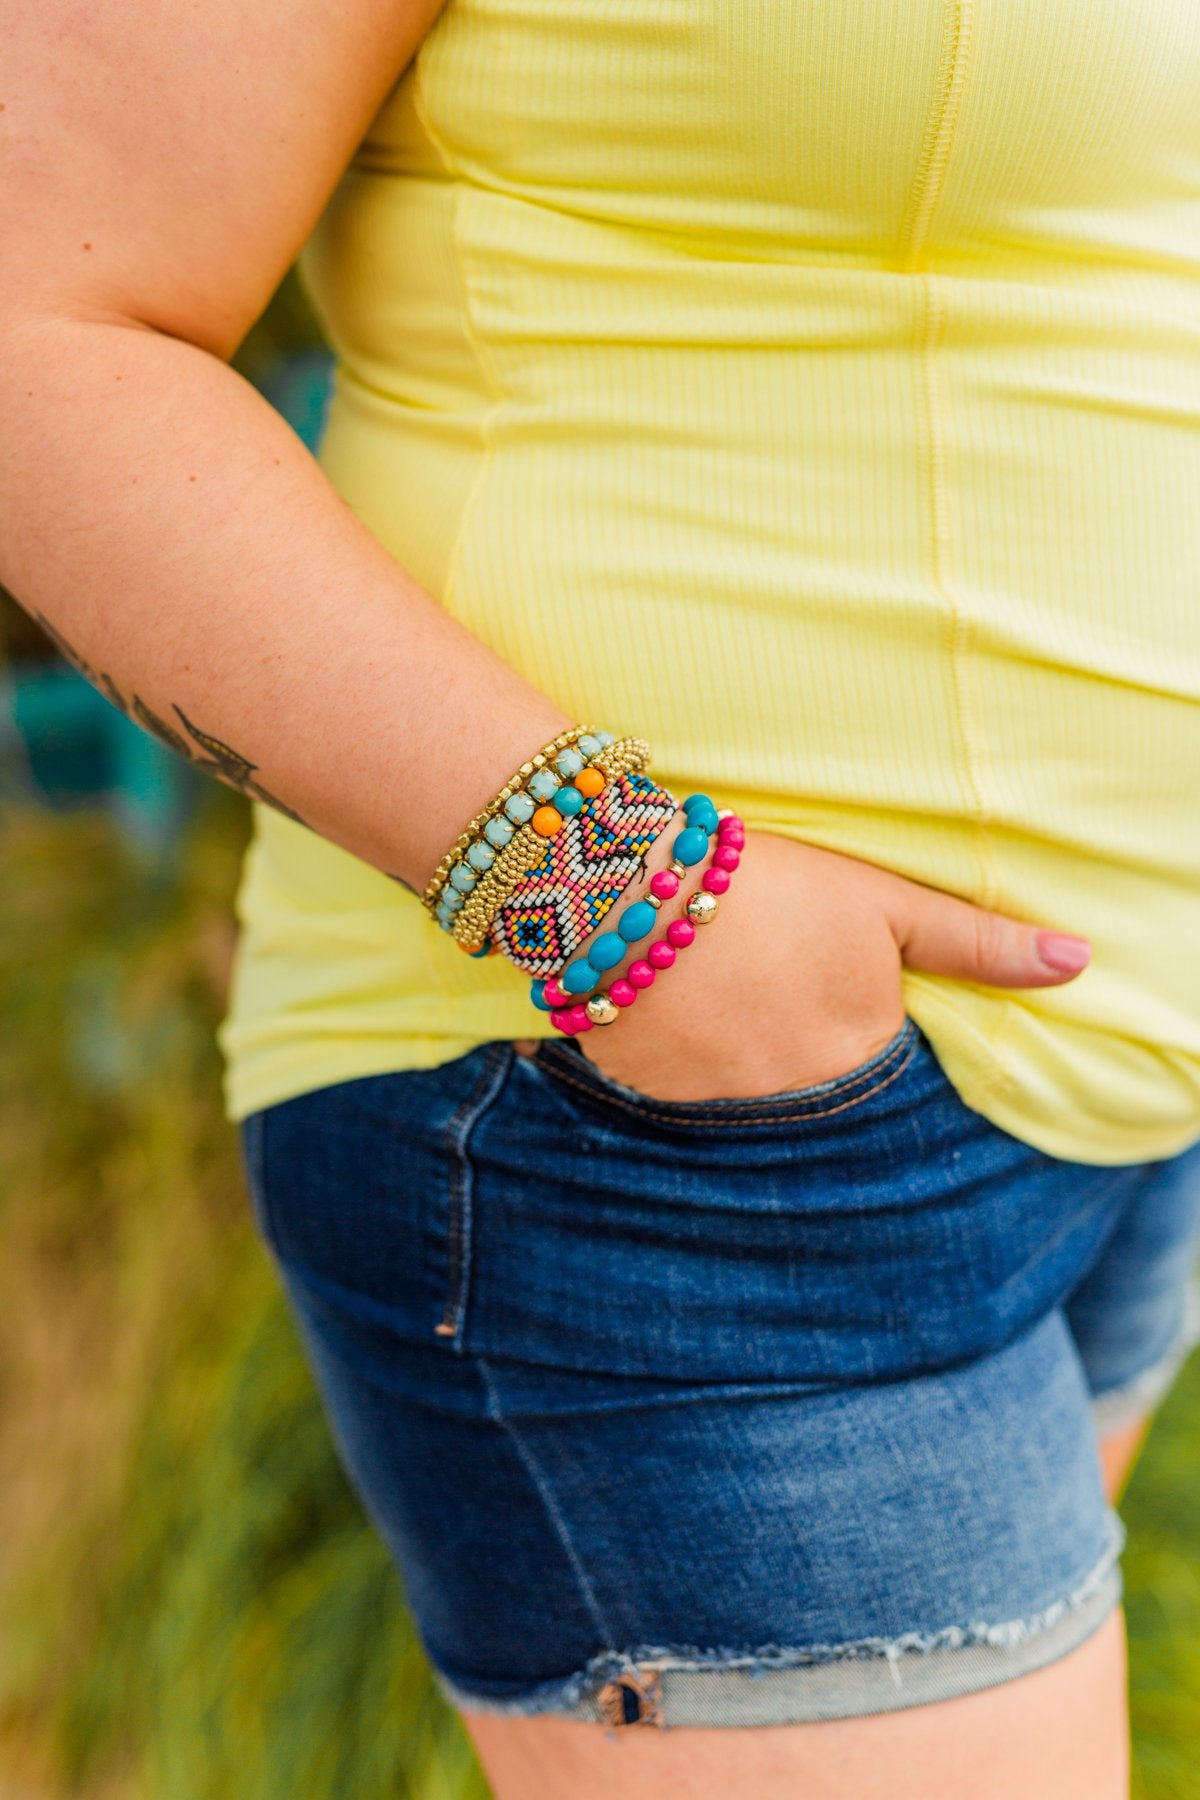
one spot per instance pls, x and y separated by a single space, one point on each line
545 787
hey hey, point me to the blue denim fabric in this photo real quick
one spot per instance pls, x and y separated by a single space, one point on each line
736 1411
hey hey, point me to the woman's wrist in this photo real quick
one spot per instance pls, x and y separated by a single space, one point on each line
430 844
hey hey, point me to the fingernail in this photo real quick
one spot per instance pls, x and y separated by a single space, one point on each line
1058 950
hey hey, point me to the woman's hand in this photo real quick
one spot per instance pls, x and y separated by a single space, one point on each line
798 979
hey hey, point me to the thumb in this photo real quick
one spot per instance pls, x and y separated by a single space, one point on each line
947 936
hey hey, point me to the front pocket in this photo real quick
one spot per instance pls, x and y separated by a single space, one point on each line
565 1062
364 1189
841 1231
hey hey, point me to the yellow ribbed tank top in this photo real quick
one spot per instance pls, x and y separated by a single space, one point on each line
814 390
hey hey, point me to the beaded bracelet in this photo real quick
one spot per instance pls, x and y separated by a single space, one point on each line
700 909
469 915
583 874
518 836
534 781
637 920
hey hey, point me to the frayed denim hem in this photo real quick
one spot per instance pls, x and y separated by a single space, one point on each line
778 1685
1116 1408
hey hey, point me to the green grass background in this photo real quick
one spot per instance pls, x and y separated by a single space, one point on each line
191 1603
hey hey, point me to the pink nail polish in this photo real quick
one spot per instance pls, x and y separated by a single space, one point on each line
1066 954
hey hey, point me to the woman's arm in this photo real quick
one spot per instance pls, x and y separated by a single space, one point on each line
160 166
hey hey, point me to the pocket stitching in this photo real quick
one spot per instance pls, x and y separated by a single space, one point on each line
905 1048
457 1144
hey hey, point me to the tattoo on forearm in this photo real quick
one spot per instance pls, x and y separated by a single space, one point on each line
150 719
232 766
109 688
205 751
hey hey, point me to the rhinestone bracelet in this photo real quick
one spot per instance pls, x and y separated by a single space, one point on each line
526 814
495 808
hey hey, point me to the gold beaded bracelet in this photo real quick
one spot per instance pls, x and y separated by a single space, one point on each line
471 922
623 757
526 849
437 880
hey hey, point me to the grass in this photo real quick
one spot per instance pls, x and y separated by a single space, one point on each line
192 1606
1162 1577
191 1603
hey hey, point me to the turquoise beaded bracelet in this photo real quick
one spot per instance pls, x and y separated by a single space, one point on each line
638 919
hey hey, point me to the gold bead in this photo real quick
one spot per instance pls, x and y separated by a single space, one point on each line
652 900
678 868
601 1010
526 769
701 907
539 761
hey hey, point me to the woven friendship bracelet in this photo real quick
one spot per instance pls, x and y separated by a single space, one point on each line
580 976
471 922
583 873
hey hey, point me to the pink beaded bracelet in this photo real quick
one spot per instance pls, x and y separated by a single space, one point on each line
606 1007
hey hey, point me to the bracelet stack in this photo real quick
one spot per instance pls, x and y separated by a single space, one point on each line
560 997
539 868
533 845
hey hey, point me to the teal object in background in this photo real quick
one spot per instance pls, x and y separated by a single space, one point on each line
79 748
299 387
64 744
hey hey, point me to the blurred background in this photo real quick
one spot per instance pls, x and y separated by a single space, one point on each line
192 1605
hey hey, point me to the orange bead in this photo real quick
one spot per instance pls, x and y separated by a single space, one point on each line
546 821
590 782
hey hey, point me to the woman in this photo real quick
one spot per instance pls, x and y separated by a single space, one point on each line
815 391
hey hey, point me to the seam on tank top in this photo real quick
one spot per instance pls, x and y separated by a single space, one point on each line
940 130
924 197
957 626
483 361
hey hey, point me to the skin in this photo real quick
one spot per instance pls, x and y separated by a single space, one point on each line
159 170
1060 1732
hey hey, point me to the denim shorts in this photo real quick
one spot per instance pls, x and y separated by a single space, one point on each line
726 1412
